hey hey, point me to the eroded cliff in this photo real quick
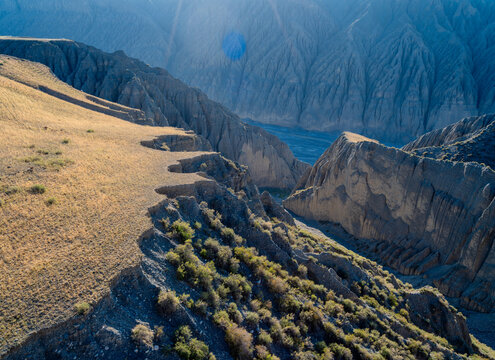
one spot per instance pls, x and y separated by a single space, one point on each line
421 215
385 68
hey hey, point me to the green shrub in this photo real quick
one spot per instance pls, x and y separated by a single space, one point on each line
252 319
240 342
340 352
183 230
10 190
167 302
222 319
90 131
51 201
264 338
142 335
239 287
392 300
197 225
234 314
277 285
302 271
404 313
38 189
349 305
190 348
82 308
289 304
65 141
262 353
201 307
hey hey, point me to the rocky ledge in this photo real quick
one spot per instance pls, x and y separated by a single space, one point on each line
421 215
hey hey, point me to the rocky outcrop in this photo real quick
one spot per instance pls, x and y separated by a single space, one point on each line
389 69
421 215
471 139
188 142
165 101
432 312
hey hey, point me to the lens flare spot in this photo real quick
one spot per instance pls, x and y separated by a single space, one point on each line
234 45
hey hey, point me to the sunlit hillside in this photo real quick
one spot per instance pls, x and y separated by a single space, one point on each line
75 186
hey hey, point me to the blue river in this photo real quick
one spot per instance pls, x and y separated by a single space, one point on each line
306 145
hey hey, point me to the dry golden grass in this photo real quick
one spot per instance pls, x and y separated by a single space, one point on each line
65 245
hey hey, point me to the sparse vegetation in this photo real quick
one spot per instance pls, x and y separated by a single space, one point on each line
190 348
167 302
51 201
240 342
37 189
10 190
183 230
142 335
265 305
82 308
94 188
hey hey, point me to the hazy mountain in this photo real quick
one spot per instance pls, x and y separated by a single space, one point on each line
392 69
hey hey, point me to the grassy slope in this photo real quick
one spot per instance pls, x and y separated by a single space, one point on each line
53 256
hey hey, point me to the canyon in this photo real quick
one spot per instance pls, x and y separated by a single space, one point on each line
182 255
164 101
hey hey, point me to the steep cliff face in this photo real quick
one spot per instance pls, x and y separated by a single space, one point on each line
388 69
420 215
165 101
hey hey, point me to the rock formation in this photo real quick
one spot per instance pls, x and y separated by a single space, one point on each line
471 139
388 69
165 101
421 215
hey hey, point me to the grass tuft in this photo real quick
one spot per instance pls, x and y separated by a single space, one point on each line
82 308
51 201
37 189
